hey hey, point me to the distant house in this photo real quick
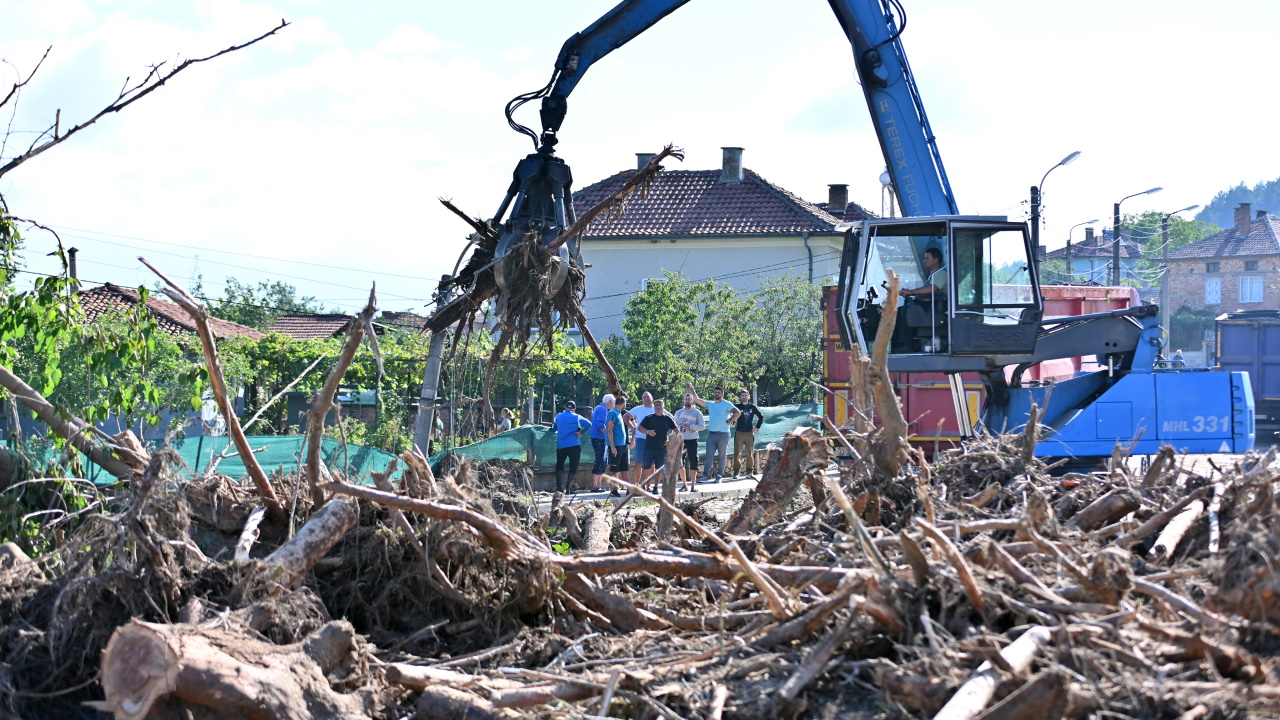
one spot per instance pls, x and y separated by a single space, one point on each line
318 326
171 319
1235 269
1091 258
730 224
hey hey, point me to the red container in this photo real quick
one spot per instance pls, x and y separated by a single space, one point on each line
926 398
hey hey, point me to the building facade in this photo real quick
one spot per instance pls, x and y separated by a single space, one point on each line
1233 270
1090 259
728 224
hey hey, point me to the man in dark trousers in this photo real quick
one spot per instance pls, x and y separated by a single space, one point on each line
744 435
656 427
569 427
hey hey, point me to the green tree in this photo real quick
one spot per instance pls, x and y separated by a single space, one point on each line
259 305
679 330
1146 229
786 322
1221 210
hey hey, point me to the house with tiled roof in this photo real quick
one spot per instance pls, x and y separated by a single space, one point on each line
311 326
318 326
1090 259
172 320
1232 270
730 224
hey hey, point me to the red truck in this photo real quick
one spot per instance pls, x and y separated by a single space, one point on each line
927 401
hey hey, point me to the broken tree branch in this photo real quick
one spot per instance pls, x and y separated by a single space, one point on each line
154 80
322 403
217 380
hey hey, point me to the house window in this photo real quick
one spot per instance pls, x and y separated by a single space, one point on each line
1250 265
1213 291
1250 289
1211 267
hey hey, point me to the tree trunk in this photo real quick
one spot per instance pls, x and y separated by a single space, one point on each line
599 523
1105 510
804 452
892 449
314 540
230 671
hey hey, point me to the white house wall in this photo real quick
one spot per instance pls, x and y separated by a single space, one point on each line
619 267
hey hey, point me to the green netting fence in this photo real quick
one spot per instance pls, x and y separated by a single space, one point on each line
276 452
536 444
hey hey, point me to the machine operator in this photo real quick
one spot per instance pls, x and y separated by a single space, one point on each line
935 272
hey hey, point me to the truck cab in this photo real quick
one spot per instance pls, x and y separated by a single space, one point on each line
980 298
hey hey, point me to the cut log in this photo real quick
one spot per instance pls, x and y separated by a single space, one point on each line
892 451
972 697
446 703
595 536
804 453
624 616
1172 534
1105 510
228 671
313 541
670 473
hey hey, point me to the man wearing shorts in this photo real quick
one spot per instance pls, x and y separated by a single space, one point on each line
655 427
690 421
616 436
634 417
599 422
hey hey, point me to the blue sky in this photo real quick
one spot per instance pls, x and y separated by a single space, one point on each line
317 156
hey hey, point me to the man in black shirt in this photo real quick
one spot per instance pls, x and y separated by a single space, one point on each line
744 438
655 427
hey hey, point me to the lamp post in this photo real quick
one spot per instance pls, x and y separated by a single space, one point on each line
1071 273
1035 199
1115 230
1164 277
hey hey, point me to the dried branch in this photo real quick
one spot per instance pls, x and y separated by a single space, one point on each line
200 317
154 80
322 403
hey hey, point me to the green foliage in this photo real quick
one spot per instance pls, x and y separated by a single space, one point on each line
707 332
10 251
1188 328
1146 228
787 322
1221 210
259 305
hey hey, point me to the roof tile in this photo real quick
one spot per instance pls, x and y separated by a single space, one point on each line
695 202
171 319
1263 238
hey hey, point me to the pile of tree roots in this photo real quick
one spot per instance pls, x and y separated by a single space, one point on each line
977 586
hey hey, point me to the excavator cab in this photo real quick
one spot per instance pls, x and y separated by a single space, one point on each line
973 286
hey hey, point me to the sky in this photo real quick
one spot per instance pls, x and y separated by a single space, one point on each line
318 156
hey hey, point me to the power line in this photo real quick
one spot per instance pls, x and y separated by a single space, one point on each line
227 252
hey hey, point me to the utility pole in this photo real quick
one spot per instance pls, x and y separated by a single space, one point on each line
1164 282
424 424
1115 247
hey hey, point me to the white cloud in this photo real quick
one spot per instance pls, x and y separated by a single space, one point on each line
411 40
519 54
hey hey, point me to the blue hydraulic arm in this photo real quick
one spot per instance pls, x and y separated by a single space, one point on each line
906 140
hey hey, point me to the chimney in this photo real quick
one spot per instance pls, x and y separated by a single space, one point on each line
837 198
1262 214
731 167
1243 221
1088 237
643 160
71 266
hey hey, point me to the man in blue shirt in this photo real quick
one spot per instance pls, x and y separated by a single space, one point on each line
616 435
569 427
599 419
720 413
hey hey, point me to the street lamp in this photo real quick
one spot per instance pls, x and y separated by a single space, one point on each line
1035 199
1164 277
1071 274
1115 240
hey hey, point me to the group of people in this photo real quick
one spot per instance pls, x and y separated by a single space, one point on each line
644 435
